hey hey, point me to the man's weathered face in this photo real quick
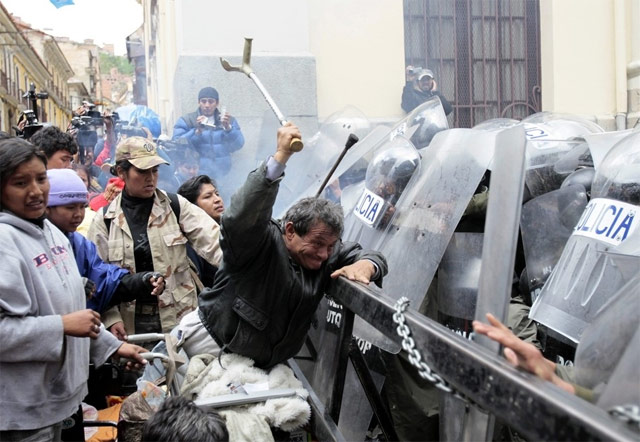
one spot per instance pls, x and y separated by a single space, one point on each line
207 106
312 249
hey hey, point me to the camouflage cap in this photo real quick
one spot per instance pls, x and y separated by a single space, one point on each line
140 152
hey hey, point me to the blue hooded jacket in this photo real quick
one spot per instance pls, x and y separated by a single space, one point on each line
106 276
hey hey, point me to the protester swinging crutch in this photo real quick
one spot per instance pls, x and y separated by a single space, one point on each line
296 144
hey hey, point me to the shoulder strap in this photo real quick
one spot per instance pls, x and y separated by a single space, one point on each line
174 202
107 221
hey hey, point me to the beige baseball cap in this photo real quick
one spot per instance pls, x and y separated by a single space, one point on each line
140 152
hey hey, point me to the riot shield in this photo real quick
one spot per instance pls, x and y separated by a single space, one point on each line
601 143
622 389
546 224
425 120
389 173
321 152
423 219
426 215
606 339
496 124
550 138
458 277
585 277
356 413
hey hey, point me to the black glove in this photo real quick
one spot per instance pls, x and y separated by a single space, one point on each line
89 288
133 286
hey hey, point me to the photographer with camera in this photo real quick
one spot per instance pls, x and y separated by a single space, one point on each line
84 126
420 87
110 139
115 130
28 123
212 132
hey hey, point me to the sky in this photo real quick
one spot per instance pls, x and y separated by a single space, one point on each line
104 21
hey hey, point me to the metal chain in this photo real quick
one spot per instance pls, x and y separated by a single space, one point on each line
409 345
627 413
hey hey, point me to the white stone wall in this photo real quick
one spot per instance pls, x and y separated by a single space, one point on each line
586 48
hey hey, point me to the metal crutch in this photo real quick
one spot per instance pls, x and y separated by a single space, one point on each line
296 144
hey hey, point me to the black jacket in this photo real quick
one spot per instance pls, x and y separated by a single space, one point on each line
412 98
262 303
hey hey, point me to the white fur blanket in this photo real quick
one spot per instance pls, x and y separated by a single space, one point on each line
207 378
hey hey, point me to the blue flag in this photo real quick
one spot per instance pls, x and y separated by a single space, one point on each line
61 3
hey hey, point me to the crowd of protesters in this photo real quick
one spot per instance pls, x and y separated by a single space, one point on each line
126 233
69 295
98 247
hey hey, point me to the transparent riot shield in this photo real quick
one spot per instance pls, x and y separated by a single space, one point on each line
389 173
585 277
458 277
425 216
550 138
428 212
426 120
321 152
415 231
496 124
416 234
601 143
356 412
621 393
546 224
609 335
608 356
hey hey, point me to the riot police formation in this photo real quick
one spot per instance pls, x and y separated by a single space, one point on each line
417 193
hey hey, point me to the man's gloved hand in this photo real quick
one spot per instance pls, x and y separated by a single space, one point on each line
156 281
135 285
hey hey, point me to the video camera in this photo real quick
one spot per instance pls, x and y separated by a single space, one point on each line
32 118
87 125
86 135
125 128
32 95
32 125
